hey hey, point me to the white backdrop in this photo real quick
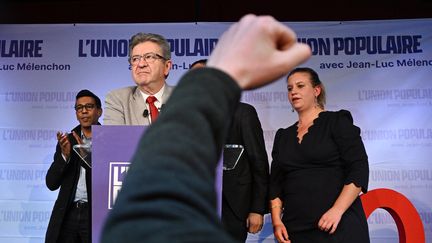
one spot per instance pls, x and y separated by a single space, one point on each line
379 70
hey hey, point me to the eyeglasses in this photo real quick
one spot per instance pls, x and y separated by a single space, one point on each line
88 107
148 58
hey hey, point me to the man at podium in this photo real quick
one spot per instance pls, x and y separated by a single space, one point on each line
150 63
70 218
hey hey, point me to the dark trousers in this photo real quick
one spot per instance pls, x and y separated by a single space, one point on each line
76 226
236 227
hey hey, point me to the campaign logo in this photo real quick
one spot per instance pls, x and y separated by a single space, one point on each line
117 173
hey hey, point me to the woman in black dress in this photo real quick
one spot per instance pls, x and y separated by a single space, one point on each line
319 168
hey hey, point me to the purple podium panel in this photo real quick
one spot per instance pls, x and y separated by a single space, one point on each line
112 150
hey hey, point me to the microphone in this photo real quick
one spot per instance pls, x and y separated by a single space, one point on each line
146 112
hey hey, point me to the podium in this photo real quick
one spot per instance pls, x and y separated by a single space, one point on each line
112 150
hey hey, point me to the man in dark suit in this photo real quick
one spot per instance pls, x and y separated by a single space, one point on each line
70 220
244 188
169 193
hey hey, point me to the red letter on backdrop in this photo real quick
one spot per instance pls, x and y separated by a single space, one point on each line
408 222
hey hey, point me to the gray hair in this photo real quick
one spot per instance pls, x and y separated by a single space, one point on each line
155 38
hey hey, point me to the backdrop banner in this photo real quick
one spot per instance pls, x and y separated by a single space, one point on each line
381 71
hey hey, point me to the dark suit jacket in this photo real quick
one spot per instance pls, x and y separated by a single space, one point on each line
245 187
64 176
168 194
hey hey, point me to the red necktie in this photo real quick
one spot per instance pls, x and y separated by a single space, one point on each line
153 110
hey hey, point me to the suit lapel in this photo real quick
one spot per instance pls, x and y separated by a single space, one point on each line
138 107
167 93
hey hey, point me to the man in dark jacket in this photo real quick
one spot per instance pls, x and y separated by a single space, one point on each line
244 187
70 219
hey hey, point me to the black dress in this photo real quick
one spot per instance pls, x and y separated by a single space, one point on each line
309 176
